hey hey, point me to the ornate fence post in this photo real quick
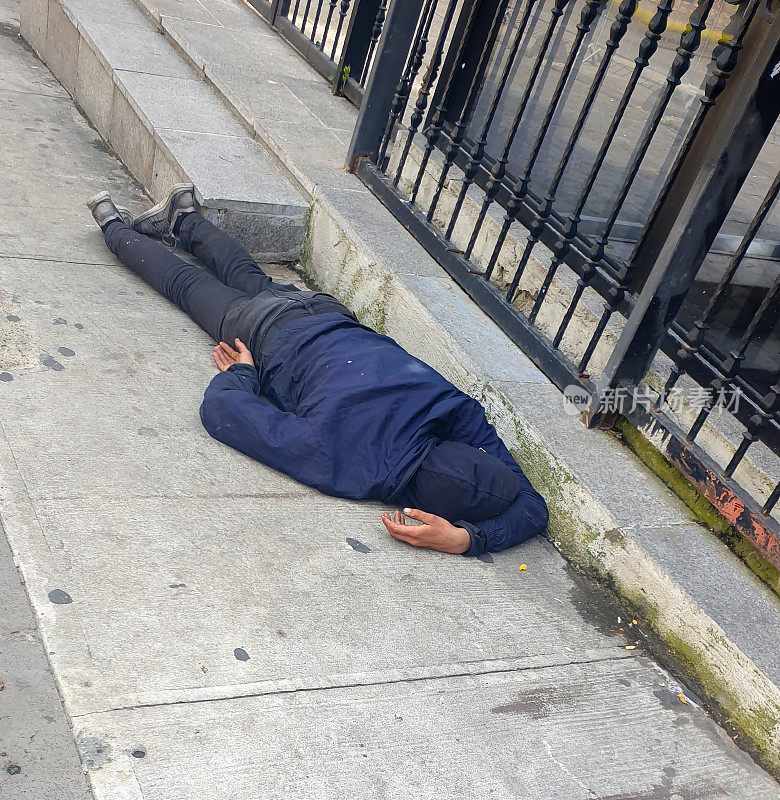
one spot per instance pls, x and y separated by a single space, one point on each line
365 27
392 52
750 106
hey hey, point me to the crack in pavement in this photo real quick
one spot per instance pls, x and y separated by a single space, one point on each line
270 692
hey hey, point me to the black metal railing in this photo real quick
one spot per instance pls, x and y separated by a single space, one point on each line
583 170
337 37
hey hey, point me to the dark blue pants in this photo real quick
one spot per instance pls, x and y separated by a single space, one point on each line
240 302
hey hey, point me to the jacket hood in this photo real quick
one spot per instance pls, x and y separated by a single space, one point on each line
460 482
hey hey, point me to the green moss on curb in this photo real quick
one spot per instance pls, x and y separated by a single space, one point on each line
674 479
307 254
743 548
574 533
754 727
347 296
373 314
698 504
586 545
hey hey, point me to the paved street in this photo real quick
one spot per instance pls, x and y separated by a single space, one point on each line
216 629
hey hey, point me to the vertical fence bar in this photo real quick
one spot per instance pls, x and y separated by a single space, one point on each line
376 32
617 31
317 13
467 105
411 70
281 7
689 44
343 11
328 19
724 60
498 171
767 410
520 189
357 41
696 335
751 106
391 55
434 127
478 148
647 49
305 17
430 77
691 156
724 380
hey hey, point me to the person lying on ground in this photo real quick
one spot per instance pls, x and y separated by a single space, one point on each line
307 389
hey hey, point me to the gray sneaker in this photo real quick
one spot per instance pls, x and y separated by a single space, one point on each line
104 210
159 220
182 203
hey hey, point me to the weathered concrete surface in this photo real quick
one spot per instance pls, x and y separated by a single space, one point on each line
536 735
309 614
38 756
358 252
161 120
218 629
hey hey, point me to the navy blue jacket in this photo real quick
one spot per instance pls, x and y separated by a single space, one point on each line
351 413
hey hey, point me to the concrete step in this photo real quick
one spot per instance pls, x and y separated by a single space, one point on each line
700 608
164 123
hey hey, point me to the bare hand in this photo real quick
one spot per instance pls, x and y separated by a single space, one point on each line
225 356
435 533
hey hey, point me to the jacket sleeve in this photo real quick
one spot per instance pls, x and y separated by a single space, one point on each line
523 520
526 517
233 413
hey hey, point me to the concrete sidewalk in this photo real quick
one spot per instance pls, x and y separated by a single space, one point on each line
218 630
38 756
609 515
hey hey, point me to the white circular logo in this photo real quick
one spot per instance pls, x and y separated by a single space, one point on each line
576 400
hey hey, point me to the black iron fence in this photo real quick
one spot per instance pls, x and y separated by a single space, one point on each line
338 37
589 173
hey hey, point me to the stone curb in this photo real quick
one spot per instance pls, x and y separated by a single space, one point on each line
340 260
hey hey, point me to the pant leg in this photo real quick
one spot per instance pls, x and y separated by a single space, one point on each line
197 293
223 255
272 306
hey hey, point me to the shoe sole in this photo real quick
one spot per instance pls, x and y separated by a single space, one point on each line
97 198
154 210
100 197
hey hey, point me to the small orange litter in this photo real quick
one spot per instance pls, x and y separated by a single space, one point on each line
681 698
